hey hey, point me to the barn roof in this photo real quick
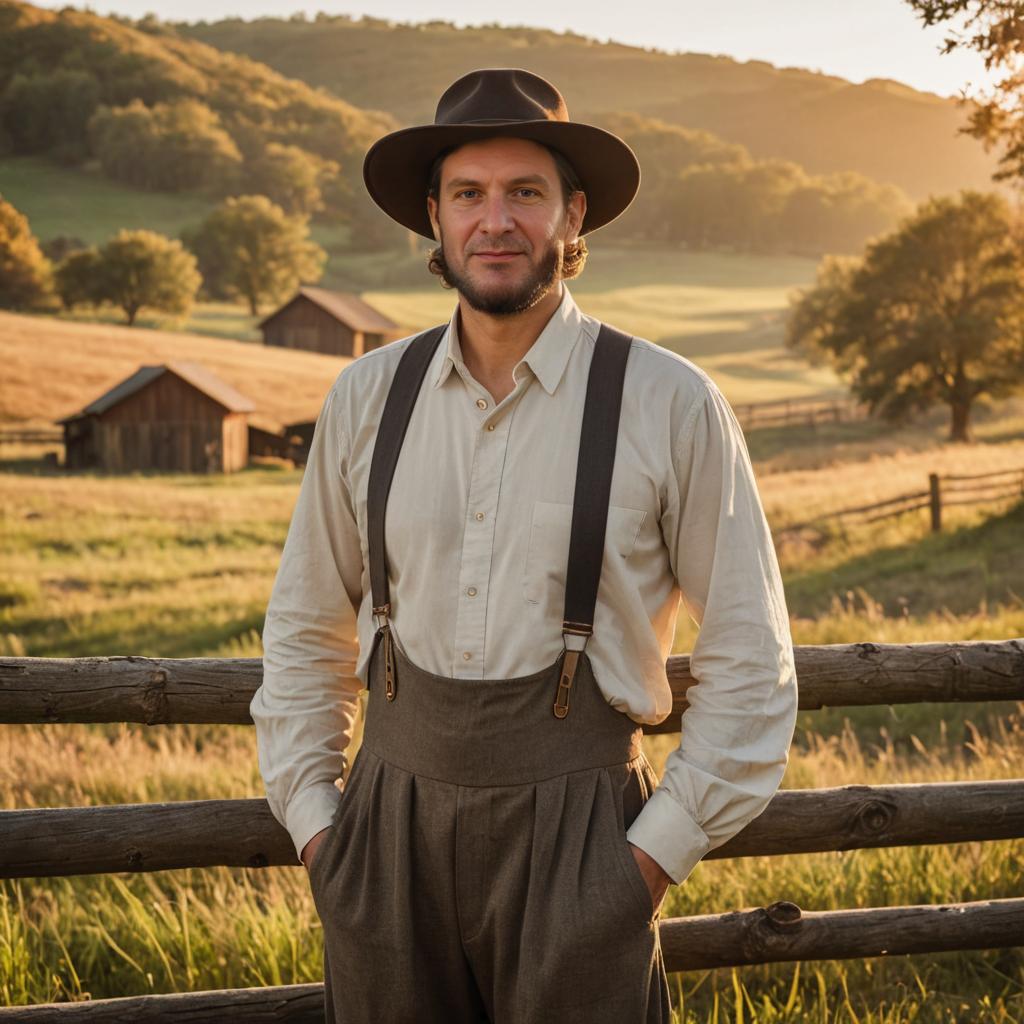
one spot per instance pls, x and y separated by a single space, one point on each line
192 373
349 309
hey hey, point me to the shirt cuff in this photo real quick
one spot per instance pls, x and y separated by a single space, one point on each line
311 810
666 832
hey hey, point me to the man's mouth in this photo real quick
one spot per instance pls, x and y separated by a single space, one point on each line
496 255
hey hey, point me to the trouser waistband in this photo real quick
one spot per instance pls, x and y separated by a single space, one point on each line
493 732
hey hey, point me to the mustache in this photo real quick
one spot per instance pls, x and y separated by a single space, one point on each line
507 246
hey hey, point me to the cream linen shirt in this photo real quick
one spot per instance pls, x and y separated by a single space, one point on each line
477 533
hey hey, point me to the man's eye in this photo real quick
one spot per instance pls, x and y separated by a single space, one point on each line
527 192
466 193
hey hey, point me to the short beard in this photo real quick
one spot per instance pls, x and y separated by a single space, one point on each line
510 301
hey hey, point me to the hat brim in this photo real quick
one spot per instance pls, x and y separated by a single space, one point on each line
397 166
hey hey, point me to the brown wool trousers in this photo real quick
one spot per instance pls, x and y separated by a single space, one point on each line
477 868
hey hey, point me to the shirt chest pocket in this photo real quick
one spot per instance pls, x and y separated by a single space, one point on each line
547 554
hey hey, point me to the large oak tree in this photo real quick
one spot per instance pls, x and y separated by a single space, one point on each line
932 313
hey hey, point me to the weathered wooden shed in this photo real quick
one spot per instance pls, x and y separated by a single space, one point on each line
334 323
176 417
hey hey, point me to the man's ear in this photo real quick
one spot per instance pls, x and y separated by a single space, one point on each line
574 215
432 214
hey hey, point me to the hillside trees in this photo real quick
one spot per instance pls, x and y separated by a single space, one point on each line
707 194
932 313
292 178
162 112
26 278
168 147
133 270
250 248
48 113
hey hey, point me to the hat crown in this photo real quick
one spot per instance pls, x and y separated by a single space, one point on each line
500 95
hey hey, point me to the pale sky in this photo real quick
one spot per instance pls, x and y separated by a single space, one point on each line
855 40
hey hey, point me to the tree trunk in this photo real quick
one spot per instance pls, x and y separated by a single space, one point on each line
959 427
960 404
131 311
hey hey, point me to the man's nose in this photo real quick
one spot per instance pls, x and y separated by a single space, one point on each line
496 216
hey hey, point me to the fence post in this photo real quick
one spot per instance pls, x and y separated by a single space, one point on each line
936 501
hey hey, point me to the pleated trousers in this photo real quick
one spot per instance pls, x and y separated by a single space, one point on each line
477 868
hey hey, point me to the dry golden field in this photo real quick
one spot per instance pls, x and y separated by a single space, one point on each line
53 367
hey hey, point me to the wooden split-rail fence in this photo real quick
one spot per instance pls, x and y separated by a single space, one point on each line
799 412
944 489
63 841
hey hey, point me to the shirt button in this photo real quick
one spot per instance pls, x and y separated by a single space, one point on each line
481 404
467 655
471 591
490 426
479 515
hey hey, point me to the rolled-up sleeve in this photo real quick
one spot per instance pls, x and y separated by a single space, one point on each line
305 708
736 731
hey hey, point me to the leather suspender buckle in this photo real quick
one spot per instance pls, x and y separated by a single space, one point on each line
380 615
384 628
569 665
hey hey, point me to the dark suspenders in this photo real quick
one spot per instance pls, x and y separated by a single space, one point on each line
594 466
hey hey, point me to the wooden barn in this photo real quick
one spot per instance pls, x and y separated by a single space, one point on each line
176 416
334 323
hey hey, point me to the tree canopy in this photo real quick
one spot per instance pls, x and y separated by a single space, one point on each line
250 248
932 313
26 275
133 270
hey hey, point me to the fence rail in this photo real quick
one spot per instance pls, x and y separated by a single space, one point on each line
807 412
28 435
996 486
160 691
67 841
59 841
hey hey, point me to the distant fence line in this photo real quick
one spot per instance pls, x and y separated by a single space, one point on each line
807 412
30 435
967 488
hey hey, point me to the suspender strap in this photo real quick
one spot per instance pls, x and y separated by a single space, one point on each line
405 388
594 466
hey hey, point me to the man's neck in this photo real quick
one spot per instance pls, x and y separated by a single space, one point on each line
493 345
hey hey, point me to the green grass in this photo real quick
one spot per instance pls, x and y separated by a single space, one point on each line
76 203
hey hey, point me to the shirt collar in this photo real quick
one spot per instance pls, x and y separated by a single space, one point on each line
547 357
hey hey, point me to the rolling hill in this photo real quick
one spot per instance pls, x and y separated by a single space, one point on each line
884 129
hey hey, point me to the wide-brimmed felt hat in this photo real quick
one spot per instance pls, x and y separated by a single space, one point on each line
500 101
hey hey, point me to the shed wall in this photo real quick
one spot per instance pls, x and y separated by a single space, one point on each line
170 426
304 325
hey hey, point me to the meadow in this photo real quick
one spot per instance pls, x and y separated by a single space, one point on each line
177 566
181 566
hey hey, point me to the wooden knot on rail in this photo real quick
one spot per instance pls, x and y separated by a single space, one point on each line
866 650
153 697
782 915
766 930
874 816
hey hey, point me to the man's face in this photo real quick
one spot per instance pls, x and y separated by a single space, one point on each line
503 223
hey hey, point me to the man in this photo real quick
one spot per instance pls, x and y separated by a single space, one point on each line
506 512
